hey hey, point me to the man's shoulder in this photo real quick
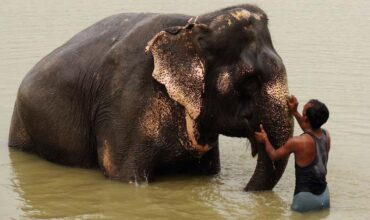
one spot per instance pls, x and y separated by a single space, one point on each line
301 141
301 138
326 132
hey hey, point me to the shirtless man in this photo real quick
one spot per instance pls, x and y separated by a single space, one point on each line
310 150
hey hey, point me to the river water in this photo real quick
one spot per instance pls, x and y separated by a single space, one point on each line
325 48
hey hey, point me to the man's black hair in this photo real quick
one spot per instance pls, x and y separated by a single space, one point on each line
317 114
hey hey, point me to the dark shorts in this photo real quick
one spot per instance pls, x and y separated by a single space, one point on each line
306 201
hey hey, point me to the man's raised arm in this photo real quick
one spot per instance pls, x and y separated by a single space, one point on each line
293 106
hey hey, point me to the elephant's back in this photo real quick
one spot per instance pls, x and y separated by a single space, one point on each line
102 43
108 31
116 40
88 47
62 87
129 29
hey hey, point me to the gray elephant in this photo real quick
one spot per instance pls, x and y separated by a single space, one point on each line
139 95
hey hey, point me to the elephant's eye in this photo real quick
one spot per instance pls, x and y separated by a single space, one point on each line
250 86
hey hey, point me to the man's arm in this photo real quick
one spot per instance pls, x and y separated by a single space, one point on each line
279 153
327 143
293 106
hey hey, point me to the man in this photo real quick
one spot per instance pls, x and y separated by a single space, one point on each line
311 155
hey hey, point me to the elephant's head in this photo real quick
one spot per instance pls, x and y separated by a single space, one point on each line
223 68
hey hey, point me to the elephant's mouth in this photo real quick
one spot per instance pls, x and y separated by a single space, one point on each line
254 144
250 127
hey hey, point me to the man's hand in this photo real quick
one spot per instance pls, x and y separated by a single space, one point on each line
293 104
280 152
261 136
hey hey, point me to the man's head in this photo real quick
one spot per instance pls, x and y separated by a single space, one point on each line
316 112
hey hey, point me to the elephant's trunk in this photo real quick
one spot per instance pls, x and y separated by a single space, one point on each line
278 123
267 173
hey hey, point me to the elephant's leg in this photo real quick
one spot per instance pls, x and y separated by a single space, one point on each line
134 166
137 170
18 135
209 163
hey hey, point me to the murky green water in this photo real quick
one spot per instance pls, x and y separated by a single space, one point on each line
325 47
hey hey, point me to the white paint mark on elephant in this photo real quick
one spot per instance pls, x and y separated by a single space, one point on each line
245 14
224 83
257 16
221 22
229 22
241 14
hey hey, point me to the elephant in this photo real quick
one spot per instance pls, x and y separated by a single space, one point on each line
138 95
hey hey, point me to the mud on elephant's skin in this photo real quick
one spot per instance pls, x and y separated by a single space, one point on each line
100 101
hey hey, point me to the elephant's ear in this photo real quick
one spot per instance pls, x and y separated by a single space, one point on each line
179 68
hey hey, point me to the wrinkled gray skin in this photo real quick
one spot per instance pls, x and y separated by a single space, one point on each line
100 101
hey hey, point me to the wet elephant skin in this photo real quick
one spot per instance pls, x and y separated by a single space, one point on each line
139 95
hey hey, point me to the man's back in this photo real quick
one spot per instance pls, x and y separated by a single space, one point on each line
305 150
311 177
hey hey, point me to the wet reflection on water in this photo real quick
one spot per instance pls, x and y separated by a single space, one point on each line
51 191
47 190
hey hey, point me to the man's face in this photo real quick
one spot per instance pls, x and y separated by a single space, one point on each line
305 107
